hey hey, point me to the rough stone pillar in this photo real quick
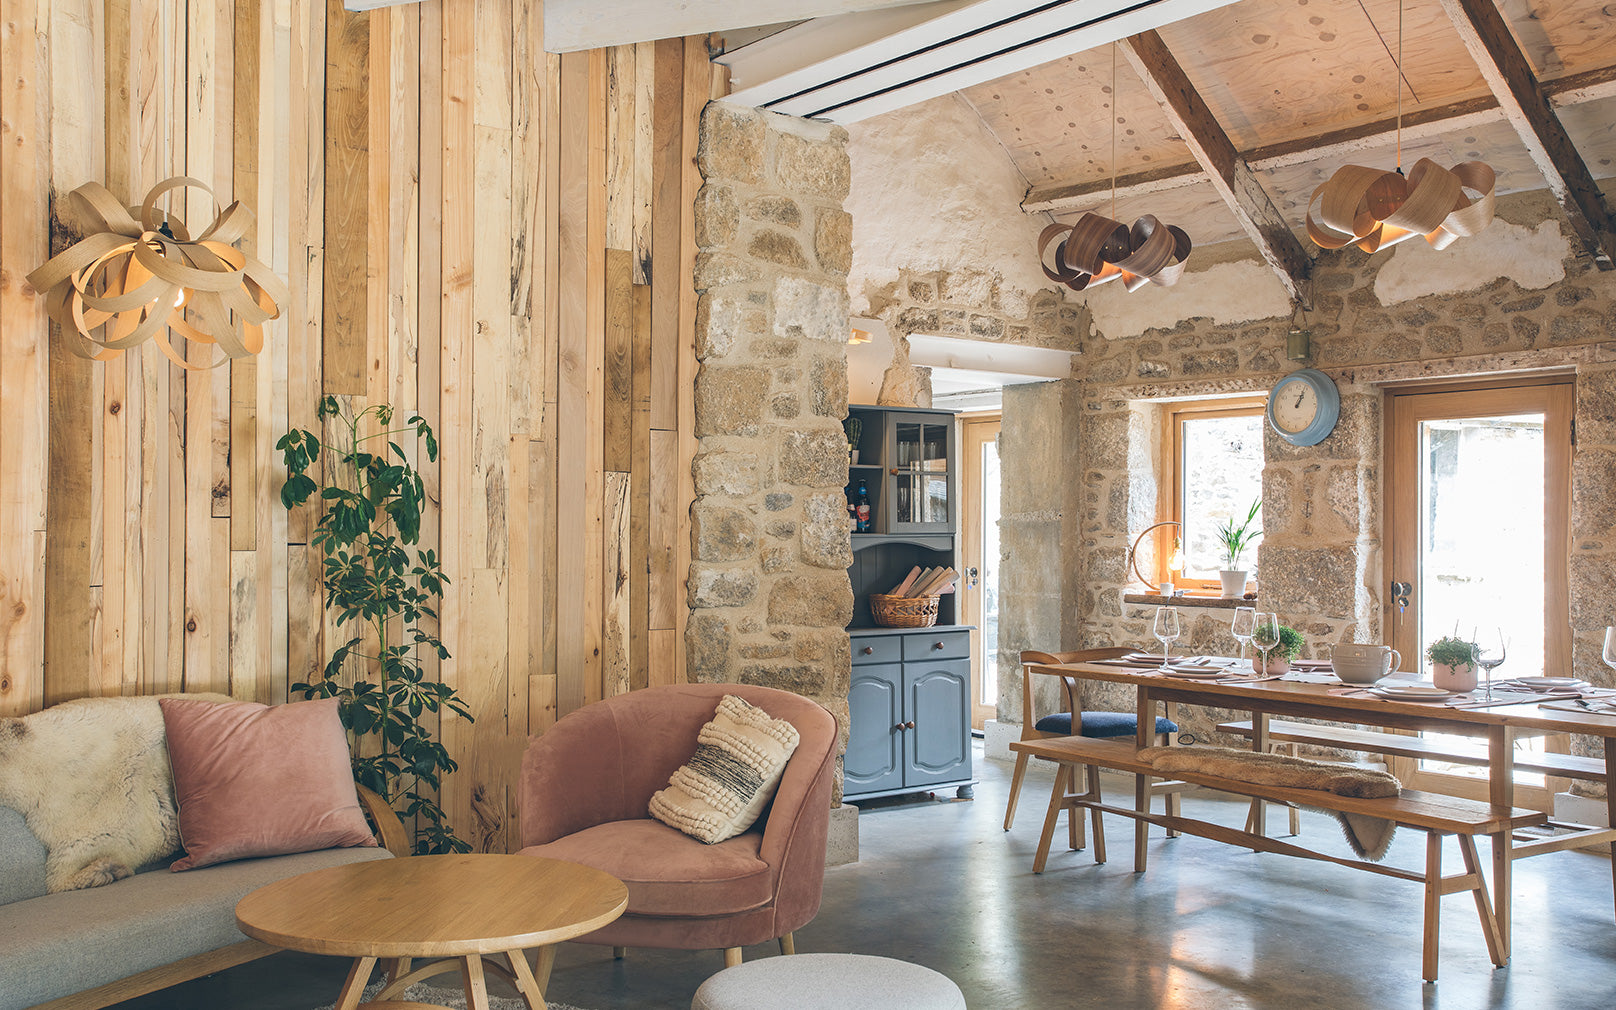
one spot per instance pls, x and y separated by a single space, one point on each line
1319 558
1593 541
769 593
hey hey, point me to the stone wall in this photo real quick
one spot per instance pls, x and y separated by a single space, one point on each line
1321 556
769 593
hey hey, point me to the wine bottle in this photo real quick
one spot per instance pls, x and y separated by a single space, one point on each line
863 508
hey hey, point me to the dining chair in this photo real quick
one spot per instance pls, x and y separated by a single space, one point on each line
1089 724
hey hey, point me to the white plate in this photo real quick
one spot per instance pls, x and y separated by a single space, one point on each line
1550 683
1412 692
1195 673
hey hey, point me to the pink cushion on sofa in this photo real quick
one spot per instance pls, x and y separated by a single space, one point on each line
251 780
668 872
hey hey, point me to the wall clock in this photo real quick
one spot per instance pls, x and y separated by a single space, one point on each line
1304 406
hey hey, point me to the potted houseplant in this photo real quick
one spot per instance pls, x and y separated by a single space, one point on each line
386 595
853 428
1235 538
1453 663
1280 655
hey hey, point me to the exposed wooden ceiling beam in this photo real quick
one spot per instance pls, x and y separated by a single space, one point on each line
1575 89
1228 172
1526 105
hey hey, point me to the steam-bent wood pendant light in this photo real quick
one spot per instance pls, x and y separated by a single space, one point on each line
134 280
1098 250
1372 208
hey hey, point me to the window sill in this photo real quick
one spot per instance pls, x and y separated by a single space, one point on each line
1212 602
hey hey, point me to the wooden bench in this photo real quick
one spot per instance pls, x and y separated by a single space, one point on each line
1435 814
1572 766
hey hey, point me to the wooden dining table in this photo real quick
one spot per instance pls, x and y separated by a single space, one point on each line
1498 725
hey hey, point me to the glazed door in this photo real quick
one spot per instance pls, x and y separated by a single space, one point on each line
920 476
1478 518
979 558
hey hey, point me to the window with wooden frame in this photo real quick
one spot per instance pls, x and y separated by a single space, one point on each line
1213 453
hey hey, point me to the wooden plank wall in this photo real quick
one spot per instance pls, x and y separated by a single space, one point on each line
499 238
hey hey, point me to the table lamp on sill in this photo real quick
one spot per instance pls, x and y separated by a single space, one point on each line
1175 564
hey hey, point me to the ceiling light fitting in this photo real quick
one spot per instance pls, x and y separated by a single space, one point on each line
1372 208
135 280
1097 249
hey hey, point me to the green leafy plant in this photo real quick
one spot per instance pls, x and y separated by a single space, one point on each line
1289 646
1450 650
1235 538
386 592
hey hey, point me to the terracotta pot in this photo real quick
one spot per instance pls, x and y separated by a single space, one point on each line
1454 678
1277 664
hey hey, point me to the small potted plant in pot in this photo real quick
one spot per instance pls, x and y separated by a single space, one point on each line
1280 655
1453 663
853 428
1236 538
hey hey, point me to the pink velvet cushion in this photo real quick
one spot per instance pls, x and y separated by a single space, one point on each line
670 873
251 780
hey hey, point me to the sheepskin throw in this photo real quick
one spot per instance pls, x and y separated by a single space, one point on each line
1369 837
91 778
740 758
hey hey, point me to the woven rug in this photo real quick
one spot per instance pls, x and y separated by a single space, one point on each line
452 997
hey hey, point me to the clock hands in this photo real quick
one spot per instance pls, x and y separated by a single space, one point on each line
1299 397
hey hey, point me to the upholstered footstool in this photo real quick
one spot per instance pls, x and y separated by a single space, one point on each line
828 982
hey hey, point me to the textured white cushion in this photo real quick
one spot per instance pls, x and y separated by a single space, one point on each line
740 758
828 982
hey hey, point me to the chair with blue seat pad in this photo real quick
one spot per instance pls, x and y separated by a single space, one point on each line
1090 724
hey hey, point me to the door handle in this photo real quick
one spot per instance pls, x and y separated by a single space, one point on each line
973 577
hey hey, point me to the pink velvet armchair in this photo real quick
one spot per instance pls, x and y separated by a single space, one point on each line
586 786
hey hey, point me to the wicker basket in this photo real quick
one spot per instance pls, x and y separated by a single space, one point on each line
904 611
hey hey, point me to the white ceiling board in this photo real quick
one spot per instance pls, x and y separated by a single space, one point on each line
572 25
783 62
1010 361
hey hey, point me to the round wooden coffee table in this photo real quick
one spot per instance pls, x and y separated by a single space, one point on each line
456 907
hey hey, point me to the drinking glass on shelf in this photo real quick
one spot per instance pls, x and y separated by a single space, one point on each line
1490 653
1166 628
1266 638
1245 623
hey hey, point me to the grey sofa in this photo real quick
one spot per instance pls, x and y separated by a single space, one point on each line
80 950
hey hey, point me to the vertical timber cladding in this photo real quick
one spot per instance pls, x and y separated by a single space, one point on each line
471 228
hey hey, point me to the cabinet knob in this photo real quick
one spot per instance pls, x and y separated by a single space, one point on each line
898 728
937 645
909 725
867 650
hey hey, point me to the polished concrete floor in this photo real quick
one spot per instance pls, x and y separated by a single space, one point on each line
1209 926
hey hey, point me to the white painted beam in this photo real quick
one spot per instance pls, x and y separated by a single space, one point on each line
965 44
571 25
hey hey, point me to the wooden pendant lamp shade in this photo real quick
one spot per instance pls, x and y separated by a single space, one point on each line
1372 208
1097 250
141 274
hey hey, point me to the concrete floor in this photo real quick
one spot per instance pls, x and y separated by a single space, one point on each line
1209 926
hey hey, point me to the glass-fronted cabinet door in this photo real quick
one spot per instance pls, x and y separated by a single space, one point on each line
920 473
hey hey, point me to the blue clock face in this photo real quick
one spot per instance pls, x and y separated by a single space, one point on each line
1304 406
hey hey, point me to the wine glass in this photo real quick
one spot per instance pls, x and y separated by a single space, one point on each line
1166 628
1245 623
1490 653
1610 648
1266 638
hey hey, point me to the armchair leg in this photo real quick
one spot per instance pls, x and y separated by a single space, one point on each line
788 944
732 957
1015 790
618 952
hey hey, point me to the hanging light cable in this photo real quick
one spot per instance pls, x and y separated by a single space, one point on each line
1373 209
1097 250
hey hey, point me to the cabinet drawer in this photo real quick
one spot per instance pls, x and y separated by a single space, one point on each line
942 645
877 649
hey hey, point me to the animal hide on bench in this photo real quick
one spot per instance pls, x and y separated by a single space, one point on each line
91 778
1369 837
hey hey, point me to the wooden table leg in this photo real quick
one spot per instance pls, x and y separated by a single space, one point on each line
354 989
1433 904
1145 733
526 984
1057 800
471 975
1259 745
1610 804
1489 921
1501 783
546 964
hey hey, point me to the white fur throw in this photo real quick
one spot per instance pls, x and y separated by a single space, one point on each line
91 778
